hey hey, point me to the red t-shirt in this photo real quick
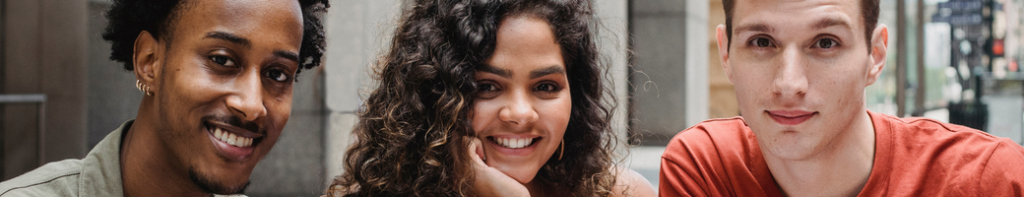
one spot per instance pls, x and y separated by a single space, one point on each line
913 157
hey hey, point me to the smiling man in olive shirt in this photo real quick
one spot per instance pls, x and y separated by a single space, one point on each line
217 77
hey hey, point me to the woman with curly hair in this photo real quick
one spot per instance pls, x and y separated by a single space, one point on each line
488 98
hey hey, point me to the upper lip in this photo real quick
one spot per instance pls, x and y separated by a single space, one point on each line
515 136
235 130
790 113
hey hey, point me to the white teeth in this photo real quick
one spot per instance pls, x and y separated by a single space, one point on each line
218 133
514 142
231 138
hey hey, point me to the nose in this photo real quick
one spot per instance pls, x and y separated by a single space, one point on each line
247 98
519 110
791 77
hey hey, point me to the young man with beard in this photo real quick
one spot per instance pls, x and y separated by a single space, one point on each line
800 69
217 77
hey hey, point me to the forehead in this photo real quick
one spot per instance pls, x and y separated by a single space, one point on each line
796 12
247 18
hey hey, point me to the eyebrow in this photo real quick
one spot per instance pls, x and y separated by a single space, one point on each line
494 70
553 69
287 55
757 27
829 22
506 73
230 38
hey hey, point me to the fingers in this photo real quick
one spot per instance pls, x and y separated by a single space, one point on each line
480 149
477 151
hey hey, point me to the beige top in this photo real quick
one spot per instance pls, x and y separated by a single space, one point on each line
98 174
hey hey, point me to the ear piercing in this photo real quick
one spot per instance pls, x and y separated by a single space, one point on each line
143 87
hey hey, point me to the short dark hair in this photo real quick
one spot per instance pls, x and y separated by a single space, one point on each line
868 8
128 18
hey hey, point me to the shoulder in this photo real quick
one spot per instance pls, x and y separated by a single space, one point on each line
630 183
710 138
919 136
53 179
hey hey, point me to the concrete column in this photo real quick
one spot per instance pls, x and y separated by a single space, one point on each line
696 62
613 42
44 46
357 31
669 80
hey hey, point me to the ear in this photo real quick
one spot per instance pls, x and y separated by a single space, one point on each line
879 48
723 50
146 59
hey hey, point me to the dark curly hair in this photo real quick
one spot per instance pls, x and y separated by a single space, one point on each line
128 18
413 133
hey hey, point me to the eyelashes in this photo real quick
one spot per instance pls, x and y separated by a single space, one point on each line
763 42
490 89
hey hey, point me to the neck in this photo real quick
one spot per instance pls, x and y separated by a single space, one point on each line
539 189
147 167
841 169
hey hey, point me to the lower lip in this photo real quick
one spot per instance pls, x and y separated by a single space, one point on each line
790 120
230 152
514 151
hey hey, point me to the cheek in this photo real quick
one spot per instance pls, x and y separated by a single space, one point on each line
556 113
482 113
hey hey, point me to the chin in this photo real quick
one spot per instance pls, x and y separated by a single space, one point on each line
792 147
217 184
523 173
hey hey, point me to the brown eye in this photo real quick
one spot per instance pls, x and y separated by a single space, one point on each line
222 60
276 75
546 87
487 90
487 87
761 42
827 43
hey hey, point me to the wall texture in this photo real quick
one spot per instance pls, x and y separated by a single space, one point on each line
44 47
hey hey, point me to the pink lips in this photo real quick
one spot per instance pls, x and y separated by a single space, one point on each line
790 117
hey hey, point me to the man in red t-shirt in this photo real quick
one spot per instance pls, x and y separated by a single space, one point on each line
800 69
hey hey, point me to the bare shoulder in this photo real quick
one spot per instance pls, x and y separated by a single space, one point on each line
629 183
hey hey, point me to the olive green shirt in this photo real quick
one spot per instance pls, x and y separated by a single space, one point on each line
98 174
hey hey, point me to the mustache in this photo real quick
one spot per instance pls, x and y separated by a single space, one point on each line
237 122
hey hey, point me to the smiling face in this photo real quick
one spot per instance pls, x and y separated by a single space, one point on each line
523 103
800 69
223 88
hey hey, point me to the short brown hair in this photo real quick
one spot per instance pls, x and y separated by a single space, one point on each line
868 8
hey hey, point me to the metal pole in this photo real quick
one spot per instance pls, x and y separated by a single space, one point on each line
41 135
901 58
919 97
42 132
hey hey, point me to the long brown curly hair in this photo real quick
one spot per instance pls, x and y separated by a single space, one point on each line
413 133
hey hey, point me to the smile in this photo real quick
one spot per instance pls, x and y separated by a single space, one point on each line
231 138
231 142
513 143
513 146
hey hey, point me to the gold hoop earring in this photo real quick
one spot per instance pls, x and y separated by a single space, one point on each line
562 149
